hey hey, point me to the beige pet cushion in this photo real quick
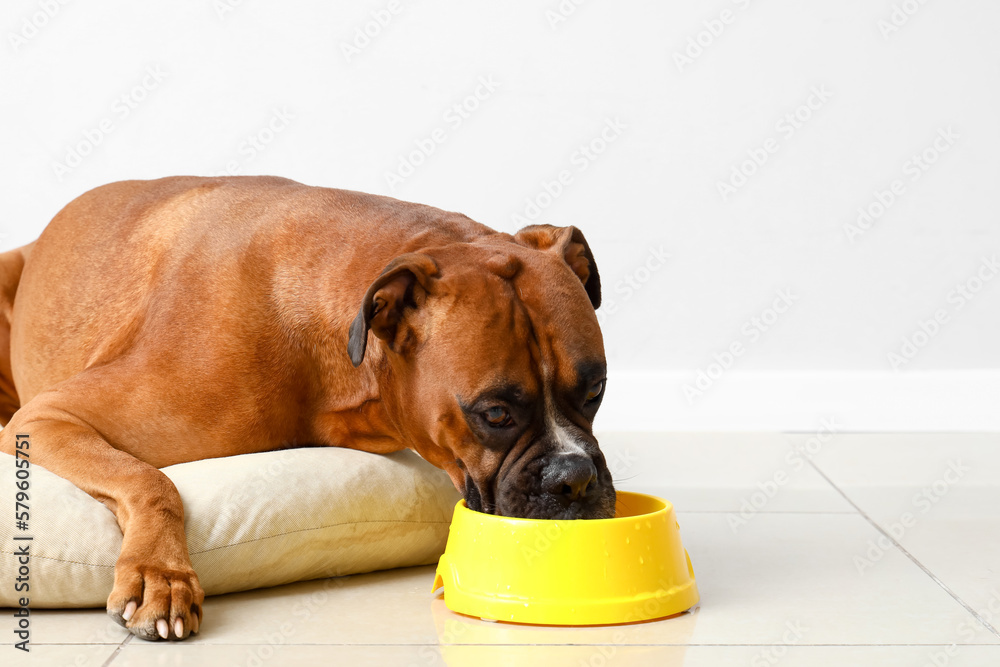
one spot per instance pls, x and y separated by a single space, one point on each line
252 521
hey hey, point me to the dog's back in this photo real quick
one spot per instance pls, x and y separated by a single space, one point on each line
194 279
11 267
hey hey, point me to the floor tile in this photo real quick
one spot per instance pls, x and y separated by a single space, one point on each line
799 578
939 496
175 655
779 572
801 569
73 655
389 607
906 459
75 626
727 472
272 655
833 656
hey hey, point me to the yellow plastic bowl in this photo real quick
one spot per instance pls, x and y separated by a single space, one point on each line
581 572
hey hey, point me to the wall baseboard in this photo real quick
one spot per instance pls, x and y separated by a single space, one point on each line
953 400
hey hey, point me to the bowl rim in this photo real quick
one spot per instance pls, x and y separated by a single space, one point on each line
665 508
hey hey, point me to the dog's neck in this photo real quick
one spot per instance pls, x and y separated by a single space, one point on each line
341 405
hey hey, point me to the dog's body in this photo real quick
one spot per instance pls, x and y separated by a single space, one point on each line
159 322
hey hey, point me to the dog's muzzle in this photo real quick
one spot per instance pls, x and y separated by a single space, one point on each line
549 486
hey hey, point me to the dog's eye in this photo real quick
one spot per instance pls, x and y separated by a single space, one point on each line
595 392
497 416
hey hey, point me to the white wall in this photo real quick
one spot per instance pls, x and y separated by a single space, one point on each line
228 70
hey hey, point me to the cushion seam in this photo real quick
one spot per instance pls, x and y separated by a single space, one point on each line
235 544
305 530
59 560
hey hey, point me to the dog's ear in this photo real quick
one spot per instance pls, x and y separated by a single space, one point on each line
570 243
402 284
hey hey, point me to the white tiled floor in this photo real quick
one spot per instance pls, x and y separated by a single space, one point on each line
788 538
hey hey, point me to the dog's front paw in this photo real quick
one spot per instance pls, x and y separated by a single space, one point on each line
156 602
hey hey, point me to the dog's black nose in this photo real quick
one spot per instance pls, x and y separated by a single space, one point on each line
571 476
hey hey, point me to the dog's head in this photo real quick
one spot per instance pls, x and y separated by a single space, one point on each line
498 368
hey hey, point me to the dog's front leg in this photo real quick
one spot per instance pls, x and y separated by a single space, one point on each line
156 592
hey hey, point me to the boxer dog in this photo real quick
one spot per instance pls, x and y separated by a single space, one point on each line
159 322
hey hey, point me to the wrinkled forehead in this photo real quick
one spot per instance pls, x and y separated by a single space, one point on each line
518 318
480 326
558 306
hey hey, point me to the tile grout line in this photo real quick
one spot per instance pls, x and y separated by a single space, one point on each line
762 511
508 645
905 552
111 658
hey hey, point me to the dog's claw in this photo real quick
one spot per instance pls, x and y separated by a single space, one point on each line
156 603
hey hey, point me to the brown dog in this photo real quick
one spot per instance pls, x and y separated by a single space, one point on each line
158 322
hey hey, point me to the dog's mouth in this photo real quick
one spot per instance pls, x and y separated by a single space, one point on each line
542 489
